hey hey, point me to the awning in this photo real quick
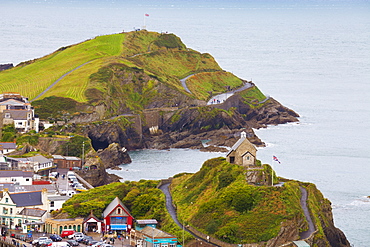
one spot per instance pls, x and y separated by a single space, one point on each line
118 227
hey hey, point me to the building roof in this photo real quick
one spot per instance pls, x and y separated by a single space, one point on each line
147 222
92 216
58 198
155 233
243 137
8 145
301 243
38 187
39 159
71 158
11 102
18 114
116 201
36 212
25 199
58 157
11 173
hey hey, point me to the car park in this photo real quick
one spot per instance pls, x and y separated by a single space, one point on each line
60 244
91 242
97 244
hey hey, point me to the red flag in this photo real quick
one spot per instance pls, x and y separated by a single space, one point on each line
146 14
275 159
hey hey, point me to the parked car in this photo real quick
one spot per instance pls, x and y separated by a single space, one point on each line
86 239
67 232
55 237
60 244
97 244
73 242
91 242
39 240
77 236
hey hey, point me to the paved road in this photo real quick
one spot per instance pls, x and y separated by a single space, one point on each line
220 98
311 226
183 82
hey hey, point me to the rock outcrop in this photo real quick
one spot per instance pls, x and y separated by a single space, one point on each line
96 174
6 66
114 155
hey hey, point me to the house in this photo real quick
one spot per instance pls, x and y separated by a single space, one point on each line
93 224
66 161
18 209
16 110
117 217
243 152
7 147
20 177
141 224
56 202
150 236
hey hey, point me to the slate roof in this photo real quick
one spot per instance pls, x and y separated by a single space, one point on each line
155 233
8 145
243 136
37 212
147 222
39 159
12 173
25 199
116 201
58 198
18 114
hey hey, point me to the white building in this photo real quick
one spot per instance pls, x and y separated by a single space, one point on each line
20 177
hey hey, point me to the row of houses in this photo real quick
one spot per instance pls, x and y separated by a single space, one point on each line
39 163
117 220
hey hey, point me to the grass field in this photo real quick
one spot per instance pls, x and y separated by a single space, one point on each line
30 80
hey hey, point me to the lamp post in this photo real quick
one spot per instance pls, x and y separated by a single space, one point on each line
83 153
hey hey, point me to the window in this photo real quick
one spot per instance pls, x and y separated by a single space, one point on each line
27 179
6 199
11 211
118 220
118 211
232 159
7 115
172 245
52 204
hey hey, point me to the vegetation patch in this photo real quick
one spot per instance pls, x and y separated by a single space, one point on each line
253 97
206 84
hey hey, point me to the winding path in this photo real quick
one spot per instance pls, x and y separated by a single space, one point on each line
311 226
172 211
183 83
60 78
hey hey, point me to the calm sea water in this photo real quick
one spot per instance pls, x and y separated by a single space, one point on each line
313 56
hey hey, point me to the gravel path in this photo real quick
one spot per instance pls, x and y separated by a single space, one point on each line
311 226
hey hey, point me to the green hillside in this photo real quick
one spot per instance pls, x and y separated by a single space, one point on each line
161 56
219 202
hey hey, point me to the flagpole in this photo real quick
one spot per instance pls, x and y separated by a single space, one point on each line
272 171
144 27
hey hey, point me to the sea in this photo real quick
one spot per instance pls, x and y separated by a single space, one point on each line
313 56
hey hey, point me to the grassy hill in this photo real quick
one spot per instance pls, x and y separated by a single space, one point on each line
219 202
95 69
